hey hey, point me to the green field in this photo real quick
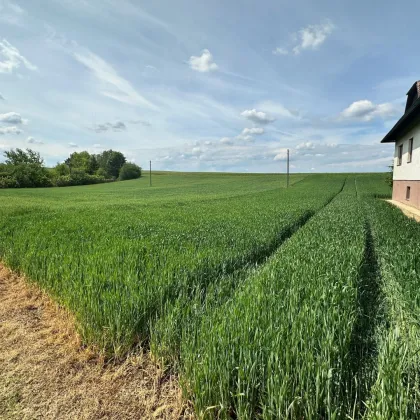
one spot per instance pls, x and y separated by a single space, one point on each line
268 302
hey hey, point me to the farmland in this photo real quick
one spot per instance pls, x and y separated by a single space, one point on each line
267 302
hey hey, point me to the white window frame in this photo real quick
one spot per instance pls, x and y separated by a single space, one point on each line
399 155
410 150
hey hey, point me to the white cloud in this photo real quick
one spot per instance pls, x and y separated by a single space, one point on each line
245 137
145 123
11 58
305 146
10 130
254 130
366 111
280 51
117 126
204 63
278 110
311 37
113 85
281 154
257 116
196 150
11 118
11 13
1 97
226 140
73 145
31 140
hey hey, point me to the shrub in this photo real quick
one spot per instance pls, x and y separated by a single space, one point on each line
8 182
79 178
30 175
129 171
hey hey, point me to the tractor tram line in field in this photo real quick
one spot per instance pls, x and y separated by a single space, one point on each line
183 317
395 391
363 346
297 303
237 330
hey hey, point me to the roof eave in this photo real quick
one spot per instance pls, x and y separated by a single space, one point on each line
404 124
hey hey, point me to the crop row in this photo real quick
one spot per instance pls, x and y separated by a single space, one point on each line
284 345
118 265
395 393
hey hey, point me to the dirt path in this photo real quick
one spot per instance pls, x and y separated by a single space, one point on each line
44 372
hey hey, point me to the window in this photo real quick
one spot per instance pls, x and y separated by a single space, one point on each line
400 153
407 193
410 150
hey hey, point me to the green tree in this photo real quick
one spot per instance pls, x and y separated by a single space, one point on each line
111 161
19 156
24 169
62 169
82 161
129 171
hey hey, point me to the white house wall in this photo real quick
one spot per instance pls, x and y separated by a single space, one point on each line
408 171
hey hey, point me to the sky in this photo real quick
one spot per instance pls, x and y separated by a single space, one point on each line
208 86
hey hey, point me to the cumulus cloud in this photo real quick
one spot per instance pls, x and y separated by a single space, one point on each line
31 140
11 59
259 117
117 126
280 51
10 130
226 140
11 118
311 37
73 145
281 154
254 130
203 63
365 110
305 146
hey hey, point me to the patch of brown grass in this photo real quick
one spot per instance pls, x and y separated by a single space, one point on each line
45 372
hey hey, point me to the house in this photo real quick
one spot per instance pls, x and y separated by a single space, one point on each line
406 136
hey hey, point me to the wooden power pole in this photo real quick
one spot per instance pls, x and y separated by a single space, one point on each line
150 174
287 168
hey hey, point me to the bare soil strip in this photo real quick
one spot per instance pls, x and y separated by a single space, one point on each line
46 373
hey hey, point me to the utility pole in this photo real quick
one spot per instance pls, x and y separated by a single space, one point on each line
287 168
150 174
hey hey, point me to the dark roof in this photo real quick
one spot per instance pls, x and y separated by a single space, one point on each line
409 119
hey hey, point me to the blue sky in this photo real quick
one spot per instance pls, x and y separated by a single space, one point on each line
207 86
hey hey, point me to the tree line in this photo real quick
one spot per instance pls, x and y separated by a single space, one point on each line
26 169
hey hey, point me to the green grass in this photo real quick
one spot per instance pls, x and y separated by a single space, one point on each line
115 254
269 302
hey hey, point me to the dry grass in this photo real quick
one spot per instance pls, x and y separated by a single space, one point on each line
46 373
